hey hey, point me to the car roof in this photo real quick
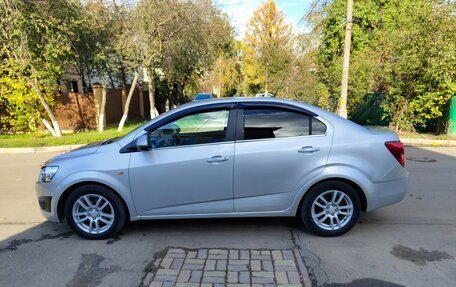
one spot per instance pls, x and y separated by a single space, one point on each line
238 99
246 100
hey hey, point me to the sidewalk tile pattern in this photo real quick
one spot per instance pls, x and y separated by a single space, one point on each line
226 267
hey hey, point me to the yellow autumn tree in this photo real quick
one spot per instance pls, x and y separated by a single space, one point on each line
267 50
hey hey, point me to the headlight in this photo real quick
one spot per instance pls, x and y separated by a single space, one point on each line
47 173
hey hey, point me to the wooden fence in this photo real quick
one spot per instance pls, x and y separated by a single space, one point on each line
77 111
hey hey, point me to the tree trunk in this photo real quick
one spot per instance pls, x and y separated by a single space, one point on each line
55 129
153 110
397 118
101 116
127 103
170 100
48 126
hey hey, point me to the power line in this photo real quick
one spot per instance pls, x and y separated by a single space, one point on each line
307 15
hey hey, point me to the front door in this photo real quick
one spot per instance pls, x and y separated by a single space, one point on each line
189 169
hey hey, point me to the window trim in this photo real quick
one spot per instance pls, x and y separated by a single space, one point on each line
255 106
279 139
190 111
276 105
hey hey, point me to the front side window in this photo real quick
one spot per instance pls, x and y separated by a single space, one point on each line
272 123
201 128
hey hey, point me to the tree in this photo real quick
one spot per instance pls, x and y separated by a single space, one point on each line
204 34
226 74
268 50
417 53
177 42
131 53
153 19
404 52
150 26
329 57
100 26
36 40
18 103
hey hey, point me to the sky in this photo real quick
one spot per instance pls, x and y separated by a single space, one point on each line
240 11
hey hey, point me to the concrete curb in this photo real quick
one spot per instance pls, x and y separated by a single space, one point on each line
302 268
62 148
428 142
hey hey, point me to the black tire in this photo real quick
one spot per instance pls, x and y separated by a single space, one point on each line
120 214
305 211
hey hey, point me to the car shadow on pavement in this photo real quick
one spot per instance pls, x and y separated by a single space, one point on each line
204 228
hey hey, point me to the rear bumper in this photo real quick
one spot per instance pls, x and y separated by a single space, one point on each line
386 193
47 202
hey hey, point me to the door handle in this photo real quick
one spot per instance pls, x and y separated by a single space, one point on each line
217 158
308 149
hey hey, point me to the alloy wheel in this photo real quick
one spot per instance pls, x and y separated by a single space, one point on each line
93 213
332 210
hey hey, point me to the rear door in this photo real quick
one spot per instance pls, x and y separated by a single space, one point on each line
277 151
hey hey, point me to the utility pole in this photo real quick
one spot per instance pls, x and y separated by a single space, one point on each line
342 108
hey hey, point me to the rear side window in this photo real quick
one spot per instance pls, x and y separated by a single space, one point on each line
318 128
274 123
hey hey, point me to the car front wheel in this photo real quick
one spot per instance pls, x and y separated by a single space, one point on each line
94 212
330 208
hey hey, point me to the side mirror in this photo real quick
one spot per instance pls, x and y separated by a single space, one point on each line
142 143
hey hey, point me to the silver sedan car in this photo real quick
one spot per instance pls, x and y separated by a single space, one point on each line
237 157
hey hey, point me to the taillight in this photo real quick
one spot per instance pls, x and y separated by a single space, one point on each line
397 150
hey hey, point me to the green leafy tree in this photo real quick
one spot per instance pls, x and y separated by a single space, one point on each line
225 75
417 52
101 25
171 39
36 39
18 103
330 50
156 23
404 51
204 34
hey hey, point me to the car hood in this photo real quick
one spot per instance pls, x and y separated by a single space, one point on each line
81 151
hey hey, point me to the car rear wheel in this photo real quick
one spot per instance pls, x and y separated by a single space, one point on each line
330 208
95 212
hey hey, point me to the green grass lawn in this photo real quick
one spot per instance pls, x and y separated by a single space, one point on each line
41 139
425 136
416 135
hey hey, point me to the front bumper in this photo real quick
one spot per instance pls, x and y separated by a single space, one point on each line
386 193
47 200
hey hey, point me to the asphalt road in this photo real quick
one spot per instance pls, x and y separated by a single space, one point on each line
412 243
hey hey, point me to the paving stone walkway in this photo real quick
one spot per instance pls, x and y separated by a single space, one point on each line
227 267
